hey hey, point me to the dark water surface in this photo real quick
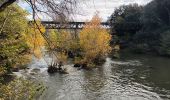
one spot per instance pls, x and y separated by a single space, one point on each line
133 77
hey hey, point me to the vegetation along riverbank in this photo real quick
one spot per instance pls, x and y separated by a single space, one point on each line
51 35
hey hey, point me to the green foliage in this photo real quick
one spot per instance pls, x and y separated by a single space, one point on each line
154 36
125 18
20 89
154 21
13 48
164 44
62 43
156 15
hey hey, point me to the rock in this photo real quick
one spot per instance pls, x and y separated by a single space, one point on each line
77 65
15 69
59 69
81 66
70 54
36 70
84 65
115 55
116 48
55 70
33 73
64 71
60 65
27 68
52 70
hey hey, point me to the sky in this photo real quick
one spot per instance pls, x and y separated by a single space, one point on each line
87 8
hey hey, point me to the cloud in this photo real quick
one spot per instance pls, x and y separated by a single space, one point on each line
87 8
105 7
25 6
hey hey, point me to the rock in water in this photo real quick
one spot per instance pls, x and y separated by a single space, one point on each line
36 70
52 69
64 71
15 69
55 70
77 65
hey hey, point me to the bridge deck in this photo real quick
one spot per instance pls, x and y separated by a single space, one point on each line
80 25
69 25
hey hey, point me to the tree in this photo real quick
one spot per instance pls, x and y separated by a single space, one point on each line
125 22
156 15
56 9
154 34
5 3
13 47
164 44
94 41
34 38
63 43
125 18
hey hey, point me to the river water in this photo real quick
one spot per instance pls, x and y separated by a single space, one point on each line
132 77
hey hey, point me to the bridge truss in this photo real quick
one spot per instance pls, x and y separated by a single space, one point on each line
69 25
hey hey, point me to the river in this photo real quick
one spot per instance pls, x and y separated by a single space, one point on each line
132 77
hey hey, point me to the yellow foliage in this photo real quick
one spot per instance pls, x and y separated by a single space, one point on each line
20 89
63 41
94 40
60 39
53 38
35 39
2 70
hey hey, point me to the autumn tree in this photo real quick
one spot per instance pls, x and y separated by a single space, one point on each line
63 42
17 40
14 51
34 38
94 41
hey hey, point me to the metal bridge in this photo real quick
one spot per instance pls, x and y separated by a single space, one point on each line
68 25
79 25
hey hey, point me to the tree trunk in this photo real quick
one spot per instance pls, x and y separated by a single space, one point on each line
6 4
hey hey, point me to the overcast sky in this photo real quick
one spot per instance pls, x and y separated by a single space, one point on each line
87 8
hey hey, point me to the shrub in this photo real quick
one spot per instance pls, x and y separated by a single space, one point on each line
20 89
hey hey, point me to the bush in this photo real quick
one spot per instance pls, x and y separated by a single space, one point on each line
20 89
